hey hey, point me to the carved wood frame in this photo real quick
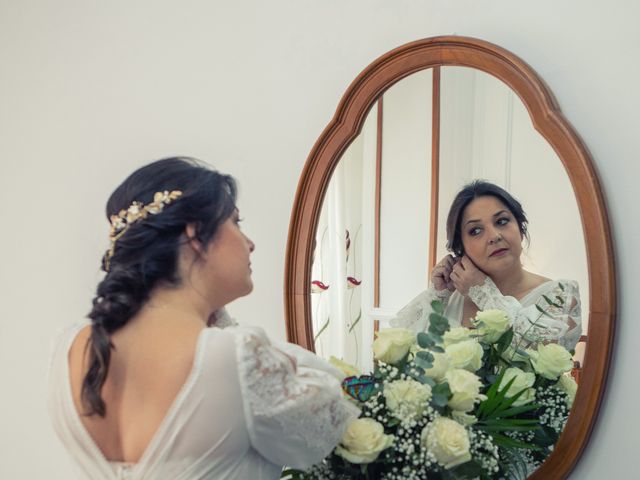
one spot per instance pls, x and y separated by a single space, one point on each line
552 125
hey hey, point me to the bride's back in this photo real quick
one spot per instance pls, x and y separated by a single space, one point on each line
152 359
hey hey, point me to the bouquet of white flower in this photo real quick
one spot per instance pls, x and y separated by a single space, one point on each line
452 404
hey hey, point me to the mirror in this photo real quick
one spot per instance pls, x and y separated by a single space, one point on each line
492 118
429 134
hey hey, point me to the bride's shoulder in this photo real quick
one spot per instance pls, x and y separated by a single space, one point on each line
536 280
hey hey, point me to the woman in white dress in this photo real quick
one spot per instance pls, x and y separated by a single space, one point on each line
160 383
485 229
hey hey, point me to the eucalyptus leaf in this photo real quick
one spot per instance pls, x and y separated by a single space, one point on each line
443 389
426 380
439 400
425 341
437 306
423 362
425 355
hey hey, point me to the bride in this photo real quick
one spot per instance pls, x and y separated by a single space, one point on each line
161 383
485 230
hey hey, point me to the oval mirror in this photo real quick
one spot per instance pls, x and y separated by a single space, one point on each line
369 218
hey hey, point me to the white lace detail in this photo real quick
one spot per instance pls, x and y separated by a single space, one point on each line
559 323
221 319
415 315
307 404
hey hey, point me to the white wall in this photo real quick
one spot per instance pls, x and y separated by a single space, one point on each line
90 90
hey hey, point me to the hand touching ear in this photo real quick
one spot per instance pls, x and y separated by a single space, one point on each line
441 274
465 275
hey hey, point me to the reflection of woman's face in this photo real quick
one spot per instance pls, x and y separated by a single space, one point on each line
490 234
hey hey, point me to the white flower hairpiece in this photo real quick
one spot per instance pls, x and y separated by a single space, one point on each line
137 211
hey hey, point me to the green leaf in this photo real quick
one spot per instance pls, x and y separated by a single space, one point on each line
504 341
504 441
439 400
550 302
425 340
506 428
518 410
443 389
437 348
491 393
469 470
425 355
393 422
293 474
505 402
426 380
324 327
542 311
423 362
506 422
437 307
355 322
513 464
545 436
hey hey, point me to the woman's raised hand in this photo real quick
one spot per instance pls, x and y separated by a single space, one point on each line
465 275
441 274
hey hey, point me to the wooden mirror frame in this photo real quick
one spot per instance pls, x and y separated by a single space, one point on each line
551 124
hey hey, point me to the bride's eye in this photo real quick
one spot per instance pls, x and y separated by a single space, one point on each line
503 221
475 231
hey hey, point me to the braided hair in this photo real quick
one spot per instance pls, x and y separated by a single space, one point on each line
146 255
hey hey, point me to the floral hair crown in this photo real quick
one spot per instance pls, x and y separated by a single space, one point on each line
137 211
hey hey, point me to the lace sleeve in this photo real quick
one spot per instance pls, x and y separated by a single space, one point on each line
555 316
295 416
415 315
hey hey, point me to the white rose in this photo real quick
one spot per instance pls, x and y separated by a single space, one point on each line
407 398
439 368
447 441
392 344
363 441
347 369
521 381
465 387
551 360
494 323
466 354
464 418
568 385
455 335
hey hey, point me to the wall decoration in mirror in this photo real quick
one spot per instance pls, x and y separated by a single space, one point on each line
369 229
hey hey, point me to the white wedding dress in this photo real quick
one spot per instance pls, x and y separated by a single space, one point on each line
561 322
244 411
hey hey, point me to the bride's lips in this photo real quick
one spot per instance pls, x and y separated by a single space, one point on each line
499 252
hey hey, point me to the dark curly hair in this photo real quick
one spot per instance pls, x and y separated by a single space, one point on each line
147 253
471 191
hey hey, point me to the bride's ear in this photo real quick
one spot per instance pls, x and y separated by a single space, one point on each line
192 239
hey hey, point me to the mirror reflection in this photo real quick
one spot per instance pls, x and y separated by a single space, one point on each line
382 233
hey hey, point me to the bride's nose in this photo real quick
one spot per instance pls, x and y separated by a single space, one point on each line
496 237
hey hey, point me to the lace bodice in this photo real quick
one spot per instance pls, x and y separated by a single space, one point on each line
549 313
248 407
